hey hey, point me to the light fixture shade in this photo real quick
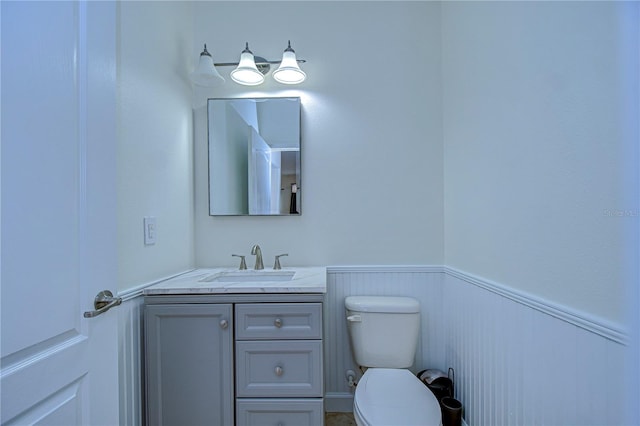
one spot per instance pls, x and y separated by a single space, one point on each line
289 72
247 73
205 73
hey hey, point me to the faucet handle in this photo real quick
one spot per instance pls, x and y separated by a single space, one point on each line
277 264
243 264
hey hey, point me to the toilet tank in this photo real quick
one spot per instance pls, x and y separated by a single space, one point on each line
383 330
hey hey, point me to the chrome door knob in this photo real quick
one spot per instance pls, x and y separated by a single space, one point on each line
224 324
279 371
278 322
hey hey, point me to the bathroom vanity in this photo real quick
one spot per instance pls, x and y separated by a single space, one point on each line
225 347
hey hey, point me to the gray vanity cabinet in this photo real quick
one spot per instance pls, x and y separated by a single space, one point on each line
189 359
234 360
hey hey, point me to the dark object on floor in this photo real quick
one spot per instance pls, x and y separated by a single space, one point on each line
441 385
451 411
439 382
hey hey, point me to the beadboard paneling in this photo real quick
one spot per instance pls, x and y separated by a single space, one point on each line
517 364
421 282
130 359
519 360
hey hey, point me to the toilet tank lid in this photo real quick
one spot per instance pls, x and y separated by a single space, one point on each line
390 304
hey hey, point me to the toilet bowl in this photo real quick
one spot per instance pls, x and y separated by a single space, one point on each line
383 332
389 396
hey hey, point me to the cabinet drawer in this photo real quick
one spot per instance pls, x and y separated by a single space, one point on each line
285 412
255 321
285 368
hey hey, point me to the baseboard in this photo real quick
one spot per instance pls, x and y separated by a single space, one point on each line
338 402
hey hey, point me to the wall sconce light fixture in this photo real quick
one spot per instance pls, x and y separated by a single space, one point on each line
247 72
289 72
250 71
206 73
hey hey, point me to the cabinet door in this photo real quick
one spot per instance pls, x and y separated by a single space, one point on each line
189 365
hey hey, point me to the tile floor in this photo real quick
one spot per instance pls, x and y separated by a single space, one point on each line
339 419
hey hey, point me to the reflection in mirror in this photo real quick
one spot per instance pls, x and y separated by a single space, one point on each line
254 156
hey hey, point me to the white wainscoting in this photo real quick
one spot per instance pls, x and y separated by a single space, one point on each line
522 361
425 283
130 360
131 353
518 359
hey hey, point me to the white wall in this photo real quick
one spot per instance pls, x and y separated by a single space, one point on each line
371 184
155 137
540 148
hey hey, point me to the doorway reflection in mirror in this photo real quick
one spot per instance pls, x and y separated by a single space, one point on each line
254 154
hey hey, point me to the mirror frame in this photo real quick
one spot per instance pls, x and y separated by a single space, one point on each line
298 158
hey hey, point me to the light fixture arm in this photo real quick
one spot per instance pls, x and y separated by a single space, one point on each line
261 63
259 60
250 69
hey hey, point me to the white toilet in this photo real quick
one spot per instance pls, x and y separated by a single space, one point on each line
384 335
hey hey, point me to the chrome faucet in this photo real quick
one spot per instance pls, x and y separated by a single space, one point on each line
255 250
276 265
243 264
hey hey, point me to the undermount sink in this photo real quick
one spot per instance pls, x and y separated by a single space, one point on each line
249 276
230 280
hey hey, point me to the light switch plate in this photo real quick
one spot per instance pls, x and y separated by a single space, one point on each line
150 230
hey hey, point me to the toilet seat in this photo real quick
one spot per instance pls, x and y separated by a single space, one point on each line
386 396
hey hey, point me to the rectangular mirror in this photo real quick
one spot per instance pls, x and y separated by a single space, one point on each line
254 156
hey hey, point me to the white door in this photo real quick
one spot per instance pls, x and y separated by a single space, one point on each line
276 181
259 172
58 213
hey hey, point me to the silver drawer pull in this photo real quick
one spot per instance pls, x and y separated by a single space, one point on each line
279 371
224 324
278 322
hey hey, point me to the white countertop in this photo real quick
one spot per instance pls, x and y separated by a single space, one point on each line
304 280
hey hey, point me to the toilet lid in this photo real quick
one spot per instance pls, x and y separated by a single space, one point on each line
386 396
